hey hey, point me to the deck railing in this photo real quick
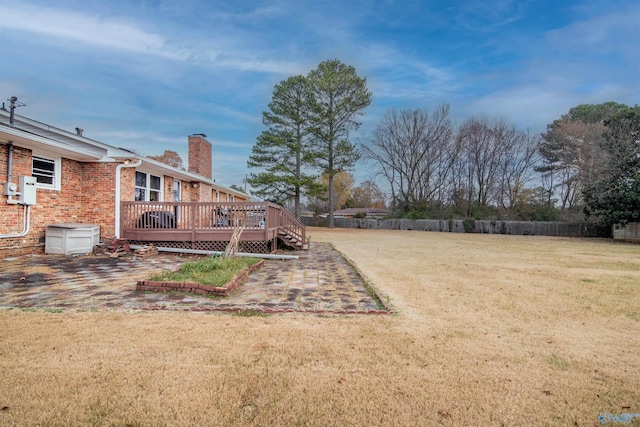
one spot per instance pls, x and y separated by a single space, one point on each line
206 221
291 226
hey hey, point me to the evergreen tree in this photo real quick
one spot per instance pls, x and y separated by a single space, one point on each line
338 96
282 150
615 195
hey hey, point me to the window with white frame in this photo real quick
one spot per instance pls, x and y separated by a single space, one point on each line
148 187
46 170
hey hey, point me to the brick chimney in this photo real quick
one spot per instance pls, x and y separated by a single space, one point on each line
200 155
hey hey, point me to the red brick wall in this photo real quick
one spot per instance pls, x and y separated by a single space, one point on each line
127 184
200 156
168 188
204 193
97 195
12 215
86 195
189 194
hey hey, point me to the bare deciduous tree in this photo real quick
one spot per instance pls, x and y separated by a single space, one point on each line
516 166
367 195
572 154
494 164
414 152
170 158
571 151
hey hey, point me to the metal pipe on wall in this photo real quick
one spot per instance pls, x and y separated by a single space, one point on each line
25 224
201 252
10 161
27 211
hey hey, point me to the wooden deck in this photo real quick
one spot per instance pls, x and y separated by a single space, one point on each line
210 225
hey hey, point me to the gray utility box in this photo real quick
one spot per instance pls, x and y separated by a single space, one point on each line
71 238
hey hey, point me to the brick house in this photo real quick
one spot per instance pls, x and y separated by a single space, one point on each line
75 179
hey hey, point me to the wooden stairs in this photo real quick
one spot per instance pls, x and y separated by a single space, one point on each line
291 240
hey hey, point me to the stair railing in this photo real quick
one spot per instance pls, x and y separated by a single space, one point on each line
289 224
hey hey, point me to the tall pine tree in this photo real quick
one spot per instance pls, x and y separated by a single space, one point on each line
282 151
338 96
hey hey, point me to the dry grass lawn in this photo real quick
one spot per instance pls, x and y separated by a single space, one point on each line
489 330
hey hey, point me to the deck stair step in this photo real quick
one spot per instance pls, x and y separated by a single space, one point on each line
290 240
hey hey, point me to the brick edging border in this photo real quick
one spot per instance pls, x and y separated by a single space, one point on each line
266 311
198 288
388 308
229 288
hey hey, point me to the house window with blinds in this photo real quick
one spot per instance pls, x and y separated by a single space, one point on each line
46 171
148 187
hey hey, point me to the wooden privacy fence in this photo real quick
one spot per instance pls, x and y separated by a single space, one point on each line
210 225
470 226
629 233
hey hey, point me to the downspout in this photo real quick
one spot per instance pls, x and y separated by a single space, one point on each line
118 169
10 161
10 170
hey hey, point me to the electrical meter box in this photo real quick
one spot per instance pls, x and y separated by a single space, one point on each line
27 190
10 189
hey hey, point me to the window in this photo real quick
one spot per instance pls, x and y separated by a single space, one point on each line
177 191
148 187
46 171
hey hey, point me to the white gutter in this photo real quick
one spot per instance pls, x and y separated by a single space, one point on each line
28 140
118 169
25 225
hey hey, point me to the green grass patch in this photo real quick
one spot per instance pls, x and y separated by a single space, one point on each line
558 362
212 271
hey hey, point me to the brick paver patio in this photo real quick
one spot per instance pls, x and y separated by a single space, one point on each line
320 281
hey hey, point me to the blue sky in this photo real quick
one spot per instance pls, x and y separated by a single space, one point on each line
144 74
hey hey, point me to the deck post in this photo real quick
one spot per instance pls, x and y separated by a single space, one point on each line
192 214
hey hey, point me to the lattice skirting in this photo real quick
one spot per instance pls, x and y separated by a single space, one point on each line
255 247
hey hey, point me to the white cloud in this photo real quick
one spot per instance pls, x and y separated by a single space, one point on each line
413 79
528 106
536 105
257 15
85 28
247 62
604 33
486 16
